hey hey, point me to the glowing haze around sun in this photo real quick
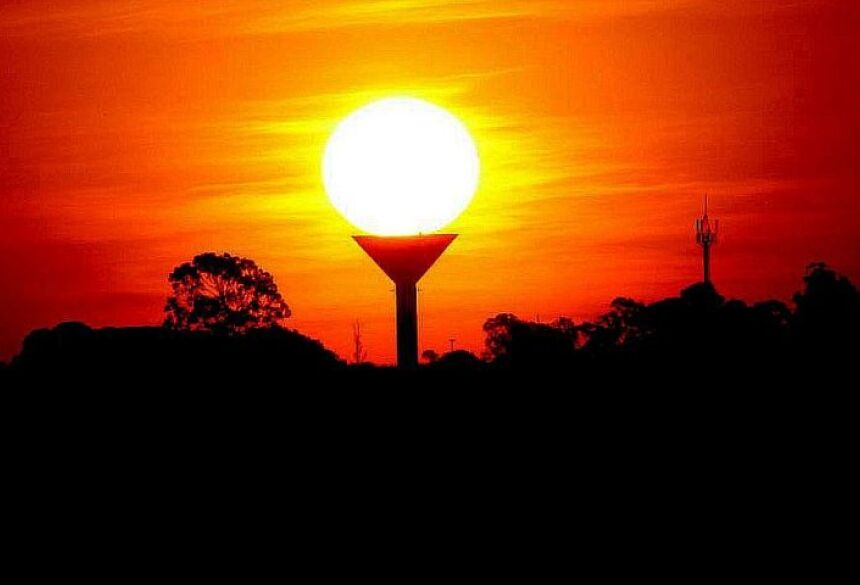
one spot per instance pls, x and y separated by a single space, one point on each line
400 166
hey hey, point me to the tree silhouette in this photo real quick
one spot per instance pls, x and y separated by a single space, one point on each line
223 293
522 343
622 324
828 310
430 356
499 334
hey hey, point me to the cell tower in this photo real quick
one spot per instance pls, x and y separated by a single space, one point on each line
706 236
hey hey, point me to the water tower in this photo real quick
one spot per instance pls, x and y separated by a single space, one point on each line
401 169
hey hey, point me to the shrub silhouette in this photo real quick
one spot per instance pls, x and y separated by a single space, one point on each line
459 360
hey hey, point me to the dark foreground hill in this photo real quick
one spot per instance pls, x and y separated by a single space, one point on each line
73 353
656 404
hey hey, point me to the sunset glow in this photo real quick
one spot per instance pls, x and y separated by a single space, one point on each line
137 134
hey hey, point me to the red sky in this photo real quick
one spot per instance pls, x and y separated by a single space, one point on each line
134 135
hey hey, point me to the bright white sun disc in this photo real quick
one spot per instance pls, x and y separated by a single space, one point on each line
400 166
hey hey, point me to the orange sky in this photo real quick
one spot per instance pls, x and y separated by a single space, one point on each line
135 134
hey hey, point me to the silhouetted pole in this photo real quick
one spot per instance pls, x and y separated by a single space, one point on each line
407 323
405 260
706 236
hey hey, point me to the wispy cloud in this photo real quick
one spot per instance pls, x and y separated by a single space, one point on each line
254 17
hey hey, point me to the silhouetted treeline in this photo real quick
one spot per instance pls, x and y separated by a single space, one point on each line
694 340
699 334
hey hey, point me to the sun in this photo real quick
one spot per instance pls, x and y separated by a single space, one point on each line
401 166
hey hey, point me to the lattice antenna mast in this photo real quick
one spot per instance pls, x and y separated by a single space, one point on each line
706 236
